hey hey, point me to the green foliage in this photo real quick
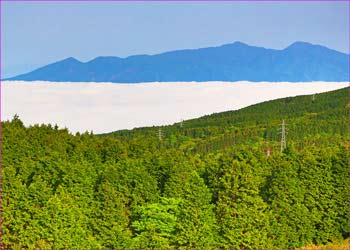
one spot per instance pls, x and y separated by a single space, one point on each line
242 213
208 183
155 223
196 225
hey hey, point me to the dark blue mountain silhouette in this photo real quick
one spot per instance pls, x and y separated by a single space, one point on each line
232 62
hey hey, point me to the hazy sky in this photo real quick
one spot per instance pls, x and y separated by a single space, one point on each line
37 33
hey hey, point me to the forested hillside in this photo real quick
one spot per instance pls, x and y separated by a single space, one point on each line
216 181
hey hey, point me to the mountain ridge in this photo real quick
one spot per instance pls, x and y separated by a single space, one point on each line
300 61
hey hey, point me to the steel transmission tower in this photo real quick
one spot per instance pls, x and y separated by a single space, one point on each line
160 134
283 136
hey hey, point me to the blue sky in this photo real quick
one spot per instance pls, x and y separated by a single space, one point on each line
38 33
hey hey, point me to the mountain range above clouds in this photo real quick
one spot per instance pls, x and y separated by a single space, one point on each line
299 62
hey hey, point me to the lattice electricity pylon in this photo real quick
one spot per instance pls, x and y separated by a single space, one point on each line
160 134
283 136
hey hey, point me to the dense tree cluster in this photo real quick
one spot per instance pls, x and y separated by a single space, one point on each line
208 183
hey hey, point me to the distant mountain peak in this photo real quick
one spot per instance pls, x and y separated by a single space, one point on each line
238 43
299 62
70 60
302 45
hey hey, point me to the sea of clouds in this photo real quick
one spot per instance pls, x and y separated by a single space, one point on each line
106 107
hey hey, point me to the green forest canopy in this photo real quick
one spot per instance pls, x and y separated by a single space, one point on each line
209 182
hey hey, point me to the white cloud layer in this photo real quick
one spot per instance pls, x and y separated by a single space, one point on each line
106 107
